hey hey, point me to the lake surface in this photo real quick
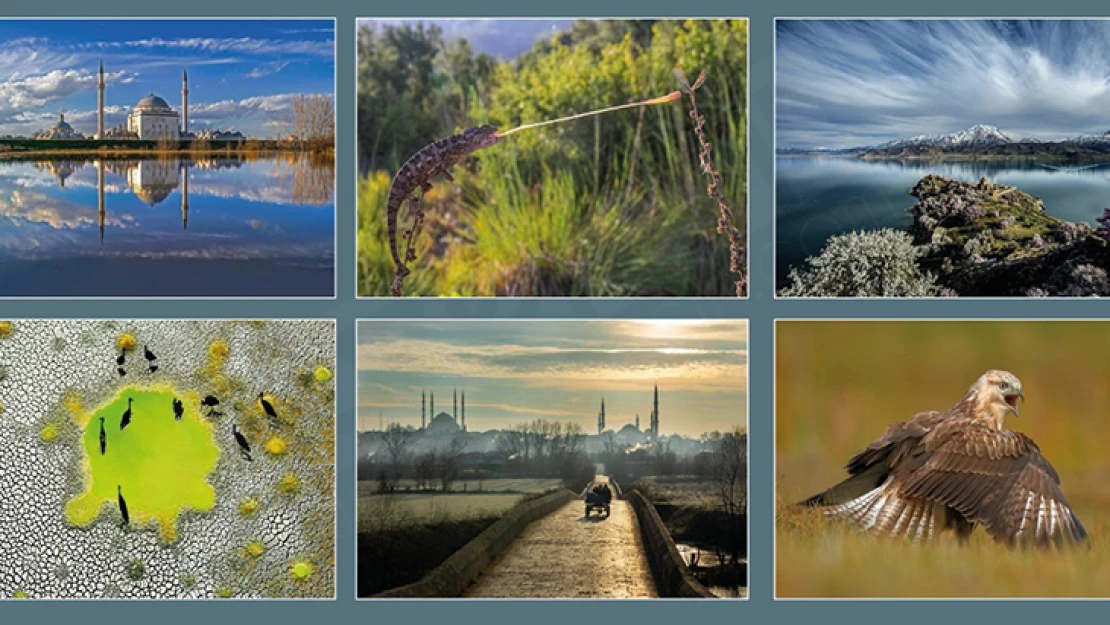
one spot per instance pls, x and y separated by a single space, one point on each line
820 197
196 227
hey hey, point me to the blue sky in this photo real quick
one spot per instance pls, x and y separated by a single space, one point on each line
502 38
514 371
845 83
242 73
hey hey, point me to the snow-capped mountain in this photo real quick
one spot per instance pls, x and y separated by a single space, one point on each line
1092 140
976 136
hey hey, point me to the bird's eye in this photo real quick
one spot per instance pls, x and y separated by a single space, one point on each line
1005 386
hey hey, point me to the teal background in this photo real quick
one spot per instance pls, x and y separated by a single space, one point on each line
761 309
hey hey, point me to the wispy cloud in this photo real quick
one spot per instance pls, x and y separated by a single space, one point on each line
239 45
267 69
843 83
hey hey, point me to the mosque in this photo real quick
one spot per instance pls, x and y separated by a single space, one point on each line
151 119
443 423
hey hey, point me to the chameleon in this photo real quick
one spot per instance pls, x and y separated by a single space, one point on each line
432 160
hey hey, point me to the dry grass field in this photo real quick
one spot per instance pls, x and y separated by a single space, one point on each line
840 384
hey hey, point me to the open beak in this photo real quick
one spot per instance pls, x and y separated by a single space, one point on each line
1012 400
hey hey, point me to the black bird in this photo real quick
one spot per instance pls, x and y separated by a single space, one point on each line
178 409
121 371
244 446
150 358
122 506
103 438
267 406
211 402
126 420
122 358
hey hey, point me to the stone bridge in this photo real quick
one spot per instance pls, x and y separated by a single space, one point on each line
566 555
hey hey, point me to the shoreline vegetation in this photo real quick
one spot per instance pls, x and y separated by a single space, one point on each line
27 149
966 239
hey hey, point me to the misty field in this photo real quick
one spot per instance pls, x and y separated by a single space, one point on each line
840 384
521 485
467 499
427 508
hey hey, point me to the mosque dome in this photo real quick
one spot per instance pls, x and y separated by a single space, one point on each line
63 126
443 423
60 130
152 103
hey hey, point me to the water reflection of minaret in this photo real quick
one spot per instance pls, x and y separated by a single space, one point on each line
100 212
185 196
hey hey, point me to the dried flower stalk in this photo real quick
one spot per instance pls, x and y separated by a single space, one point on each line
709 168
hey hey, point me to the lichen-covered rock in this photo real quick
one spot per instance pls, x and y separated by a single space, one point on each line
985 239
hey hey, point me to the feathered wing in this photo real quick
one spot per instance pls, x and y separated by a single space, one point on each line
872 498
997 478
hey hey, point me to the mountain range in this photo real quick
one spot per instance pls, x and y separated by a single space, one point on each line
977 140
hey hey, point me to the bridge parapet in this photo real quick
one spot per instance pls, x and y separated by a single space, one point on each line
672 577
463 568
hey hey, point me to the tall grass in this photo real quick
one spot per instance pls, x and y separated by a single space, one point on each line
840 384
816 558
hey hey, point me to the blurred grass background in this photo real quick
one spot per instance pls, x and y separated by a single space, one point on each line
839 384
609 206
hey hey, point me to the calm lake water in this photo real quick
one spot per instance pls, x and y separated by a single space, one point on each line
167 227
821 197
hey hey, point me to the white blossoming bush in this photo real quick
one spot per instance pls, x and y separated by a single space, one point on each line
879 263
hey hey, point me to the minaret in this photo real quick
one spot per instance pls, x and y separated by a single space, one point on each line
100 212
455 406
637 420
464 411
655 414
601 417
185 102
423 415
185 197
100 102
432 404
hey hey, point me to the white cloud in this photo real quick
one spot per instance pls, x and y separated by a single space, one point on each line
846 83
239 45
267 69
20 93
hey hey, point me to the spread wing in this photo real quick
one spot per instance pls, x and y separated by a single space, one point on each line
997 478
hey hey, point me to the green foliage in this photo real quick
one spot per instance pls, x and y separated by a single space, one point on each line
881 263
613 205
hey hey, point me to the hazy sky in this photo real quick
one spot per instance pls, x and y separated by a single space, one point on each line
242 73
521 370
846 83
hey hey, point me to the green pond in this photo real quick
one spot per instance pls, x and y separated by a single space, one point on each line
161 463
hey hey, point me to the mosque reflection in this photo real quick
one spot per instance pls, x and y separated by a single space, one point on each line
152 181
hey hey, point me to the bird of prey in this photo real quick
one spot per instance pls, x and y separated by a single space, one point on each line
955 470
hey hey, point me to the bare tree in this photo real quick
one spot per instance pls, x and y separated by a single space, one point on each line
312 121
397 441
729 468
425 469
450 463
